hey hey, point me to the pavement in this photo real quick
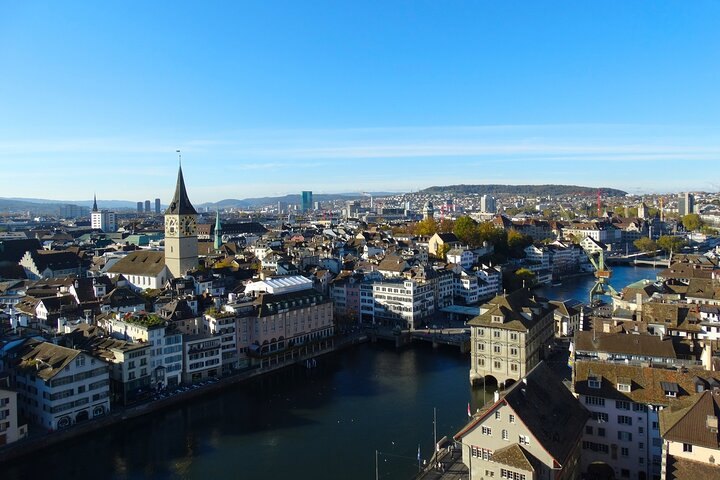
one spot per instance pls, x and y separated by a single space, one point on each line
452 467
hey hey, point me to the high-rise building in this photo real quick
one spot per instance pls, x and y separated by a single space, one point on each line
147 206
487 204
686 204
139 207
181 243
157 206
102 219
307 201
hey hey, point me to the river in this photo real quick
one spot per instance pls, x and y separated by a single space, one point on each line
324 423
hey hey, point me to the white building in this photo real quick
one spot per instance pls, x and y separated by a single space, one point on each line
103 220
397 303
166 358
459 256
202 357
487 204
143 269
59 386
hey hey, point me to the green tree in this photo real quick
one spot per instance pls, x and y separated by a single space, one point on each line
645 244
426 227
670 243
524 278
692 222
466 229
517 242
446 225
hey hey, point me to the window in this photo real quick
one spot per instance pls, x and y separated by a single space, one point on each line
497 415
514 352
601 432
511 418
496 364
513 367
481 347
496 348
625 452
513 336
624 420
625 436
496 334
595 401
486 430
622 405
687 447
623 387
524 440
594 382
588 430
80 361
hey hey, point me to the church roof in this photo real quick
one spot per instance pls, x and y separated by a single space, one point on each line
180 204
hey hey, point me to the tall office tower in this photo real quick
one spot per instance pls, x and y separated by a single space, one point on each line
157 206
487 204
307 201
139 207
147 206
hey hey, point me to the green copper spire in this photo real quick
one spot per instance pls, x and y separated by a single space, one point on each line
218 231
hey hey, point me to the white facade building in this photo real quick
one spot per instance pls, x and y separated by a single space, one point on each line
103 220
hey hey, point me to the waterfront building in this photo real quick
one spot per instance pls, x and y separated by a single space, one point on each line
691 443
286 319
345 293
490 282
625 399
600 231
531 431
129 366
223 324
166 352
403 303
202 357
10 430
510 336
181 242
59 386
466 288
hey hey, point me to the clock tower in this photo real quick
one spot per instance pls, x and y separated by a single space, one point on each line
181 244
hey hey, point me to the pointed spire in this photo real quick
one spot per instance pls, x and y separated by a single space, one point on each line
218 231
180 204
94 203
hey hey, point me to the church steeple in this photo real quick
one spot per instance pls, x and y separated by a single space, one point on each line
218 231
180 204
94 203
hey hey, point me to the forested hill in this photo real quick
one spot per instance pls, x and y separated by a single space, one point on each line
524 190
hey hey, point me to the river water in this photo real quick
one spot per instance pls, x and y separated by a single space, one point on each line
324 423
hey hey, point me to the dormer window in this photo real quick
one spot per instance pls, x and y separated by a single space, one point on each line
670 389
594 381
624 385
497 319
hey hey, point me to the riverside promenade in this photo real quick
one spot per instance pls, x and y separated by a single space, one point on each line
39 441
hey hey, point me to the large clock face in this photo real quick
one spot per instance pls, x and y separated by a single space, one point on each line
187 226
171 227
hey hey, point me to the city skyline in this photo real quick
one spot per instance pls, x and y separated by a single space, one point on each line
276 98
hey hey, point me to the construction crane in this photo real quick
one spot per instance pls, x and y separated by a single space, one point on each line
602 274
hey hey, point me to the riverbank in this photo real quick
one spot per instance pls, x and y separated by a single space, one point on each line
37 443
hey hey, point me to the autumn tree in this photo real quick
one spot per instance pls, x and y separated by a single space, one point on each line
692 222
426 227
645 244
670 243
466 230
446 225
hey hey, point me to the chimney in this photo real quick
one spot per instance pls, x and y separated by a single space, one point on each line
496 396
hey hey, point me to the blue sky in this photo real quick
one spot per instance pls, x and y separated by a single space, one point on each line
274 97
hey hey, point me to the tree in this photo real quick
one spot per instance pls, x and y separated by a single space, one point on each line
442 251
670 243
426 227
466 230
524 278
645 244
691 222
517 242
446 225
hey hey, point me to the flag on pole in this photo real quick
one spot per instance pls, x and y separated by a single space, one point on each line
469 413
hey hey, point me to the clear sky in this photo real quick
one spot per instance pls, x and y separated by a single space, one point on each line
273 97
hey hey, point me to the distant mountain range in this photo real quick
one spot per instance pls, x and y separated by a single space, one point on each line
525 190
293 199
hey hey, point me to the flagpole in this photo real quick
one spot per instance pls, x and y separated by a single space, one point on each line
435 429
377 475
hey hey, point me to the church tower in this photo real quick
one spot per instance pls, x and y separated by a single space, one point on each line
218 231
181 244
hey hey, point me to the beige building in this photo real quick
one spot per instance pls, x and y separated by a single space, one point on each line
531 432
691 443
510 336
